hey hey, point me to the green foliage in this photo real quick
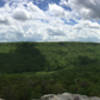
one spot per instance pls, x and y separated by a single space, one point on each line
35 57
29 70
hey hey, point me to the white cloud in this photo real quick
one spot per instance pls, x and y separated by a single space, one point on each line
56 10
86 8
21 15
4 20
33 24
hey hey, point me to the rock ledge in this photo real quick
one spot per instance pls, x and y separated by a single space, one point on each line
68 96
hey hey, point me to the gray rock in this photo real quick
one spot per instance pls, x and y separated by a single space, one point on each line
94 98
50 97
68 96
65 96
2 99
80 97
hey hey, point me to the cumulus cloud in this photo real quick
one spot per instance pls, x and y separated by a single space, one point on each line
56 10
4 20
27 22
86 8
20 15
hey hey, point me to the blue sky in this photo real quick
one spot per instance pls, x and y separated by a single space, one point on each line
49 20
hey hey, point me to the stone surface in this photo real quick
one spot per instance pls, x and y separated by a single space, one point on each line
68 96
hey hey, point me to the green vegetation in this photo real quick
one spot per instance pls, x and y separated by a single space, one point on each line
29 70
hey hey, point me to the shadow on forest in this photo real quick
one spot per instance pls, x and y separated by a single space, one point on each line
26 58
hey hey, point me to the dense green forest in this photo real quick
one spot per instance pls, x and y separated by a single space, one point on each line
29 70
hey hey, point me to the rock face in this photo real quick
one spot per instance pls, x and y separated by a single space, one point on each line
50 97
1 99
68 96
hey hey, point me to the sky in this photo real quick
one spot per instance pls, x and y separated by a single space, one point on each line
50 20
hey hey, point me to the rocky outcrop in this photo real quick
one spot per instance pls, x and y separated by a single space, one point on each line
68 96
2 99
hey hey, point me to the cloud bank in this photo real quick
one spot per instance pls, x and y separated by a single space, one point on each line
66 20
